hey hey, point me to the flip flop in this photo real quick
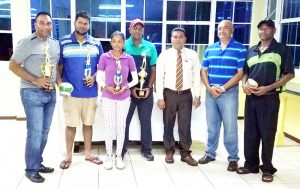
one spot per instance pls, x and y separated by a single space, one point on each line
266 177
65 164
95 160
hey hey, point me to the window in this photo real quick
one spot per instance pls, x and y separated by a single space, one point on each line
272 9
290 36
291 9
240 15
135 9
188 11
60 13
105 16
5 30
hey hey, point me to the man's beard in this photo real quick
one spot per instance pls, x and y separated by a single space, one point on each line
80 33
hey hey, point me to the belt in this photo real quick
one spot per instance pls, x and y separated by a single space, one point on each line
179 92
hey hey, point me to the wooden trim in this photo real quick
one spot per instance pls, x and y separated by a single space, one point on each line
292 137
7 117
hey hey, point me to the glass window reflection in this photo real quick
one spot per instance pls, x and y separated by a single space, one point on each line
153 10
61 28
242 12
291 9
152 32
38 6
188 11
241 33
61 9
134 9
224 11
104 29
5 18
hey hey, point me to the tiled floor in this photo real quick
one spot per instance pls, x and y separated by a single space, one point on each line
138 174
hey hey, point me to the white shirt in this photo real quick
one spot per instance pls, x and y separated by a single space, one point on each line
166 71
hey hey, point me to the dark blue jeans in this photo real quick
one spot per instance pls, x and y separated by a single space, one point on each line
39 107
144 107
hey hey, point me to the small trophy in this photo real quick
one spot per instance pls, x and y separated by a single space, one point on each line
118 76
88 66
47 68
141 92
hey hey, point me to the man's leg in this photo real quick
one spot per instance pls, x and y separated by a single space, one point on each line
133 104
70 135
145 107
33 102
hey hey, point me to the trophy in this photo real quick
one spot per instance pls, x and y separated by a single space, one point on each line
47 68
88 66
118 76
142 74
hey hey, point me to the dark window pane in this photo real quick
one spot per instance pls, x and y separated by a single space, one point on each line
6 46
241 33
153 10
243 12
5 18
189 32
296 55
224 11
202 34
61 9
61 28
188 11
291 33
152 32
101 9
203 11
291 9
39 6
134 9
104 29
158 48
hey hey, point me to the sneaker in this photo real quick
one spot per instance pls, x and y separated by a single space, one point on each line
148 156
205 159
120 163
108 164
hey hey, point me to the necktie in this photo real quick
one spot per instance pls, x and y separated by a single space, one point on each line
179 72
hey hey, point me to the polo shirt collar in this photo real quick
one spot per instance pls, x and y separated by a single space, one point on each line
272 46
132 44
229 44
87 37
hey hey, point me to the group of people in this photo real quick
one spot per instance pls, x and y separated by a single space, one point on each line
177 76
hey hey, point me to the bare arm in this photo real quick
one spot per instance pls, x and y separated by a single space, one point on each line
214 91
234 80
16 68
152 76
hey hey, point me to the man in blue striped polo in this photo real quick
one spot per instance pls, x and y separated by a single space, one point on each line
222 69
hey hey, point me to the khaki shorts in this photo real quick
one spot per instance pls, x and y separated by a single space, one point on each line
79 111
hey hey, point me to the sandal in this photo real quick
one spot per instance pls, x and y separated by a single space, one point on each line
267 177
242 170
94 159
65 164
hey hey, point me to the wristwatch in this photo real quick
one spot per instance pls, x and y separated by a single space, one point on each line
223 89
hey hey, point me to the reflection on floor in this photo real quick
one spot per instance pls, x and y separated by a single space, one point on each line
138 174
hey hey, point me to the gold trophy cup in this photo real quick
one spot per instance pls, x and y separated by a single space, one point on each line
47 68
118 76
142 74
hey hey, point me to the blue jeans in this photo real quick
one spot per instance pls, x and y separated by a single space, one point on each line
222 109
39 107
144 107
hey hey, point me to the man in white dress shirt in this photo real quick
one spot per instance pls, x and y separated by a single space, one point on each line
178 72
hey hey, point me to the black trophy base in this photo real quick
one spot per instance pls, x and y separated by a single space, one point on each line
141 93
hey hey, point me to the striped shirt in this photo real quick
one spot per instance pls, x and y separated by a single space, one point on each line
73 58
222 65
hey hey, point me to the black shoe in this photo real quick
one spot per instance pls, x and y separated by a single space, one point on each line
232 166
244 170
148 156
205 159
44 169
35 177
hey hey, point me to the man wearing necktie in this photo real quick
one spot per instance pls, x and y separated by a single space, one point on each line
177 73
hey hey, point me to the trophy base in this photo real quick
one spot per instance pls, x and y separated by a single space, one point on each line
141 93
117 88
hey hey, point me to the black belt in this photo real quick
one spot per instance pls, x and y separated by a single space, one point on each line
179 92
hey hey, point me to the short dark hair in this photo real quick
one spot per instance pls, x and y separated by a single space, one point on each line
82 14
42 13
119 34
178 29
